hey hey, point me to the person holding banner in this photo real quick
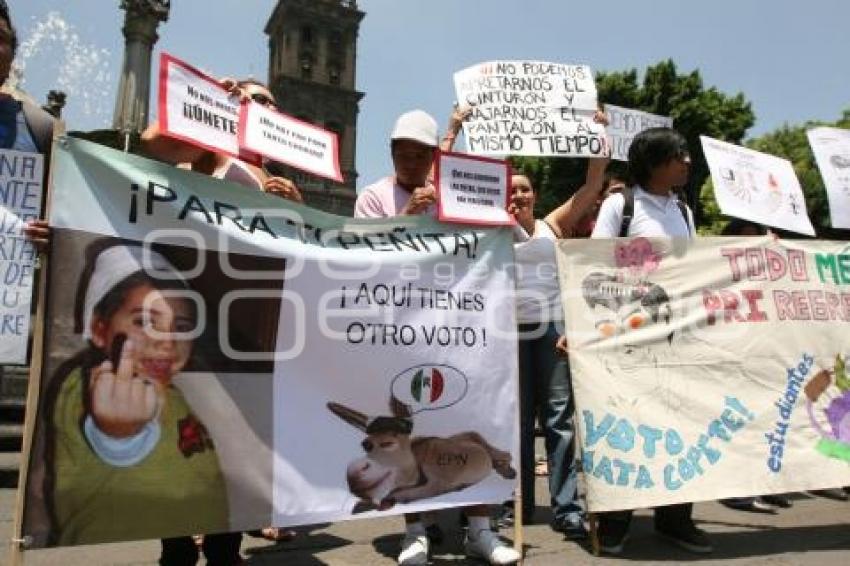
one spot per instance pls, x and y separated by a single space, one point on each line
545 386
243 171
413 145
128 458
659 163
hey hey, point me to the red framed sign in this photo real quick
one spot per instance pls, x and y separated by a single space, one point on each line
473 189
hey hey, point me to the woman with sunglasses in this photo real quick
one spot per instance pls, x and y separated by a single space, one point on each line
246 170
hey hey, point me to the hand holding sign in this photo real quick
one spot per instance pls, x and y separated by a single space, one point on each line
420 199
122 403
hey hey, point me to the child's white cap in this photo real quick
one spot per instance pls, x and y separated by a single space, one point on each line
114 265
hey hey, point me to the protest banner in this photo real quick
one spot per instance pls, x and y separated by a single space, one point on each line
20 201
624 124
194 108
831 147
289 140
242 328
709 369
473 190
530 108
756 186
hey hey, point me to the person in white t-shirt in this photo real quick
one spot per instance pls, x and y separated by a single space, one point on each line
659 163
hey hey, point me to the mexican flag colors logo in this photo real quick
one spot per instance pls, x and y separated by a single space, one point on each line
427 386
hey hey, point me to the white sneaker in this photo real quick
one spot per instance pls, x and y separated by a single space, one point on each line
488 546
414 550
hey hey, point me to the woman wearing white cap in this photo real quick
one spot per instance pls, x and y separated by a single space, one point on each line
122 440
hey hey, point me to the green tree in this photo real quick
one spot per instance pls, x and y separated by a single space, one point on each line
791 143
695 110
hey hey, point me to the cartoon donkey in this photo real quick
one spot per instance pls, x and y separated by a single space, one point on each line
401 469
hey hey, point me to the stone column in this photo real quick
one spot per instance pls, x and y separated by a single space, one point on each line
141 19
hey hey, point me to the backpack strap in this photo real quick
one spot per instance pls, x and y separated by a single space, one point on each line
628 210
683 208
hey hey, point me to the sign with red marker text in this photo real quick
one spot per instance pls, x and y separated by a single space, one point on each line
831 147
473 190
708 369
530 108
756 186
194 108
289 140
624 124
20 202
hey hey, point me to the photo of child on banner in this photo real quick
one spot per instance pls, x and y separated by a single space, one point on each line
133 420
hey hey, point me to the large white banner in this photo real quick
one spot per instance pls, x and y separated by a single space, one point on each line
831 147
756 186
289 366
624 124
530 108
708 370
20 201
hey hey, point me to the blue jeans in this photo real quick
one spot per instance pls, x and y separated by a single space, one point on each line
545 390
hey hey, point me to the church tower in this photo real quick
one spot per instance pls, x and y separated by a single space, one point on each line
312 73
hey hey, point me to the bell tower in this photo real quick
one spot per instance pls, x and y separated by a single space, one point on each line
312 73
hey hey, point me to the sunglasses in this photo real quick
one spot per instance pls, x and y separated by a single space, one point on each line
262 99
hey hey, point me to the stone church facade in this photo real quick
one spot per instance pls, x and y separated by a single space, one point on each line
312 73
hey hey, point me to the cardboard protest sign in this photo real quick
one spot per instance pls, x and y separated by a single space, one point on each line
473 190
194 108
756 186
624 124
20 201
708 370
831 147
289 140
530 108
257 330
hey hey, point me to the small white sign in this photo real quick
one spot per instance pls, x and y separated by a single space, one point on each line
289 140
624 124
21 177
756 186
473 190
530 108
194 108
831 147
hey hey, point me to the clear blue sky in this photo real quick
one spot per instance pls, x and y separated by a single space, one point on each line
790 58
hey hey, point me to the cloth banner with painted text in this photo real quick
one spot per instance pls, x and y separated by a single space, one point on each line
218 359
709 369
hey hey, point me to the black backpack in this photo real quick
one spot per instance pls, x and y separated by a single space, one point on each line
629 211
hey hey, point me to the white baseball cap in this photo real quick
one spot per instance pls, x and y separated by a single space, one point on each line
416 125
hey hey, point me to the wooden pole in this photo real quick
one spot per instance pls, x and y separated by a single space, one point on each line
19 543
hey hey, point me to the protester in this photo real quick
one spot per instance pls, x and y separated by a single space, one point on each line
658 164
23 125
409 191
245 171
117 425
545 385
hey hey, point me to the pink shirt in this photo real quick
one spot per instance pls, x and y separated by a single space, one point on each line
384 199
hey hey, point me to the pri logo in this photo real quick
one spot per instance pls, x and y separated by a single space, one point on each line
429 387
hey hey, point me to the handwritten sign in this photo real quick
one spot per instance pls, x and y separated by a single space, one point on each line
291 141
831 147
624 124
194 108
473 190
530 108
20 202
756 186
